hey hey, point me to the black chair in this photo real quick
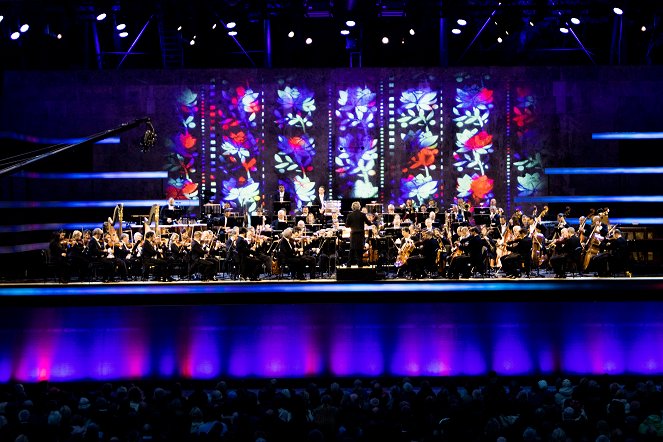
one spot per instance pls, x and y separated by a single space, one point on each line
50 268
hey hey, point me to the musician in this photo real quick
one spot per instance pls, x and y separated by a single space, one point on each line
152 257
96 252
281 221
319 201
521 253
170 213
457 215
489 247
613 255
432 205
199 263
566 248
408 210
357 221
281 199
334 219
561 224
461 260
249 265
58 254
290 252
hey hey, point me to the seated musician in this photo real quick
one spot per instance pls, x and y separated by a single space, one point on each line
565 248
58 254
250 266
281 221
152 257
96 252
290 253
612 256
199 262
521 253
489 246
406 246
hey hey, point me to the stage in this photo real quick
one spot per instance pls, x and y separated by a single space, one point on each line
316 328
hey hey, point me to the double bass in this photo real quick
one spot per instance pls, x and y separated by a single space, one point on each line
538 258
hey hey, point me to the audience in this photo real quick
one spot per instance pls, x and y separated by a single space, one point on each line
433 409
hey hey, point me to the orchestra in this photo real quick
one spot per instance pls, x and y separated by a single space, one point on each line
411 240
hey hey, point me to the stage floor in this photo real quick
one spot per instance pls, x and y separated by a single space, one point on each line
326 328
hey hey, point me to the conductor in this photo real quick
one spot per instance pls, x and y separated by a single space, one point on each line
356 221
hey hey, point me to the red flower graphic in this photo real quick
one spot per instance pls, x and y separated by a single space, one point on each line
424 158
479 141
486 95
187 140
481 186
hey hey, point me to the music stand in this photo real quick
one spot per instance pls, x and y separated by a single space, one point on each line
285 205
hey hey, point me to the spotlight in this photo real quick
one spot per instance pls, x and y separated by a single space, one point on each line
192 42
231 25
531 23
385 40
232 33
59 36
25 28
123 34
575 21
345 32
350 23
2 17
121 27
308 40
411 31
643 28
455 31
214 26
461 22
499 39
15 35
617 11
101 16
179 28
564 30
291 34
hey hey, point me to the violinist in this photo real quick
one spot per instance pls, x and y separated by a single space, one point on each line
561 224
461 261
612 256
287 254
77 254
151 258
113 246
565 248
58 254
97 253
249 264
521 253
198 261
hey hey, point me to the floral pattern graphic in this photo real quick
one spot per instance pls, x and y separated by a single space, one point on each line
356 151
296 149
239 152
180 162
416 117
528 164
474 143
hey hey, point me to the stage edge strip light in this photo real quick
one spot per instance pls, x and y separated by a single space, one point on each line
602 170
599 199
627 136
94 175
75 204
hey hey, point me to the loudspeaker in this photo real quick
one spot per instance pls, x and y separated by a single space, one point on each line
356 274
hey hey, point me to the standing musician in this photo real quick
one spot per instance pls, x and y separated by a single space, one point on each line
170 213
591 246
357 221
521 253
320 201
